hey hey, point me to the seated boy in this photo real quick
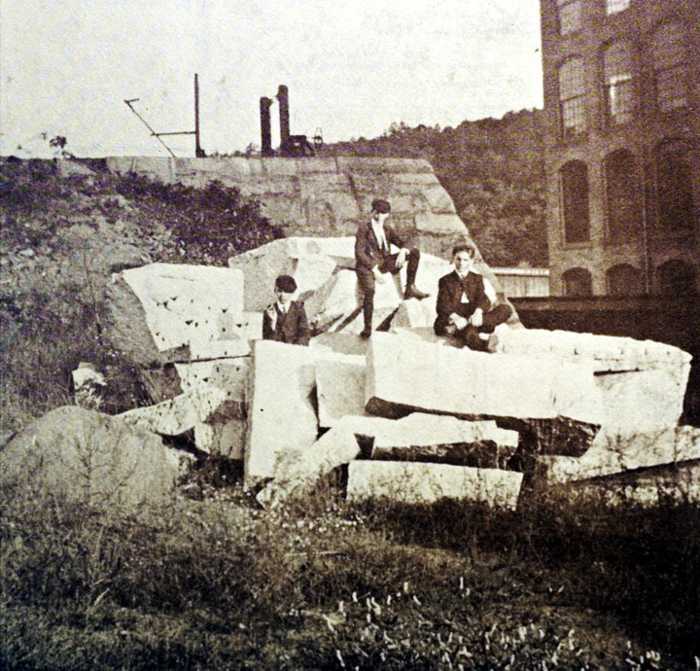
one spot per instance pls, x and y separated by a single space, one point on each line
466 302
285 320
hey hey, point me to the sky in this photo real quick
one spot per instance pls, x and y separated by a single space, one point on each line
352 68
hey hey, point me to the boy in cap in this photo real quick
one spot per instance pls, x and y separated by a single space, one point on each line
373 258
466 302
285 320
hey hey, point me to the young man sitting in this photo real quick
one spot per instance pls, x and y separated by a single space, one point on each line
466 303
285 320
373 258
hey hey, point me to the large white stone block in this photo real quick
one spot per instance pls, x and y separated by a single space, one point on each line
281 416
406 374
175 416
340 386
311 261
183 303
228 375
407 482
299 470
614 452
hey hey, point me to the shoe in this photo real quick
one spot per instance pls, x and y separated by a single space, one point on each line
412 292
365 334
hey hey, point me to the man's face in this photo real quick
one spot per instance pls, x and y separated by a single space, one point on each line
283 297
462 262
380 217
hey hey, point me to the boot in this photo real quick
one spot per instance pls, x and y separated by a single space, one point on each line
413 292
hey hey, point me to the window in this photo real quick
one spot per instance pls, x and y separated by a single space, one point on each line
624 280
577 282
669 53
623 193
676 278
674 186
619 85
614 6
574 200
572 90
570 15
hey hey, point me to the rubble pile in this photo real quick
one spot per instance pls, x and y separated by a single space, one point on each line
409 415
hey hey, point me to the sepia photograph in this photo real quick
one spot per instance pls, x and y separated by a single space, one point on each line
350 336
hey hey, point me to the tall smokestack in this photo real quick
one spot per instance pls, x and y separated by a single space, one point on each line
283 100
265 127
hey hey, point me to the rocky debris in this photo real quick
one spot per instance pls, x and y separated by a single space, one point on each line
281 415
340 388
27 253
613 452
92 458
404 375
68 168
297 472
88 383
409 482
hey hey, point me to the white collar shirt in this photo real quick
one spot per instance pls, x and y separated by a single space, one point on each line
379 234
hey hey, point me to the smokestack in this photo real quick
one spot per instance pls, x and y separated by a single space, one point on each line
283 100
265 127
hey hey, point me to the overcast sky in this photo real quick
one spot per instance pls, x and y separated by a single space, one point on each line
352 68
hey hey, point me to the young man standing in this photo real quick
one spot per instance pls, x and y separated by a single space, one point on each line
373 258
466 303
285 320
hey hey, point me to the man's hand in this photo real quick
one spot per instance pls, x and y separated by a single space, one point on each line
401 258
477 318
458 322
378 275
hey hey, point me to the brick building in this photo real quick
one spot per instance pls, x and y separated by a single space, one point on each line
622 107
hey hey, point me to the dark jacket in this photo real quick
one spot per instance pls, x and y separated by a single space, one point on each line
367 251
291 327
449 300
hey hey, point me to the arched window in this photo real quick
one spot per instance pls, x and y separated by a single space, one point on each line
574 201
577 282
623 196
614 6
624 280
674 186
619 84
676 278
669 53
572 97
570 15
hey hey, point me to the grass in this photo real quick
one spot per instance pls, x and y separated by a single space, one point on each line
216 583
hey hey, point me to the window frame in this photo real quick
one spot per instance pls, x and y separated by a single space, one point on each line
679 66
564 4
627 115
585 242
572 133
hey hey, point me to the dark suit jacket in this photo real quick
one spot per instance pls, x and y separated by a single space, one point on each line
367 251
449 300
292 327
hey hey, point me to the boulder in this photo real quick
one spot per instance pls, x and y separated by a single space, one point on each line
408 482
281 414
613 452
298 471
92 458
175 305
340 385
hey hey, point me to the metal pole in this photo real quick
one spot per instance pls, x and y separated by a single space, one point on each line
198 148
145 123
